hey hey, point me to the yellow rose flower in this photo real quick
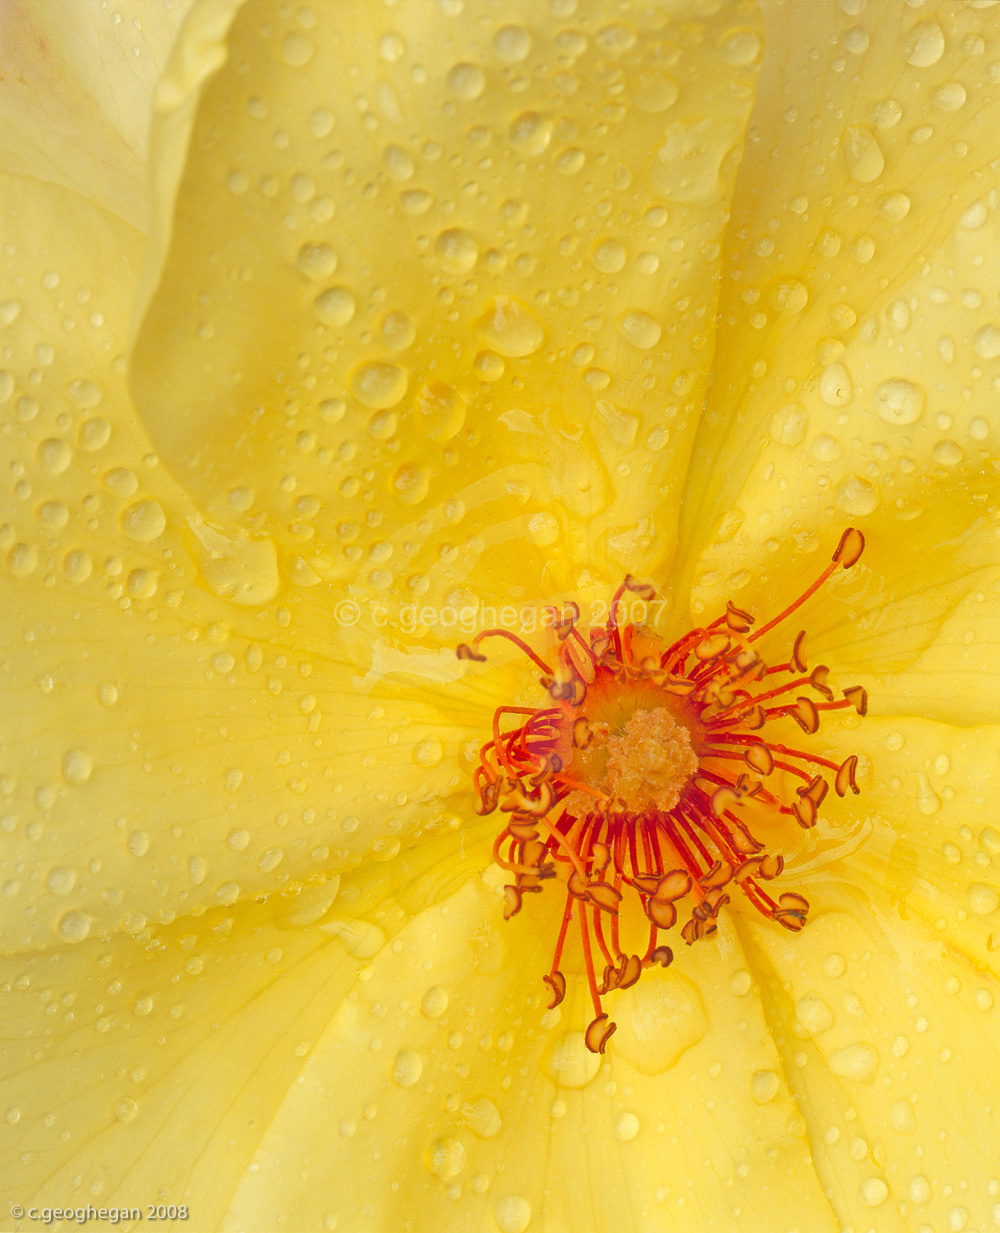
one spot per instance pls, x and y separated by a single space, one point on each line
332 334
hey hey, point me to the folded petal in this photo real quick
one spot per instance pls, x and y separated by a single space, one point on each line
436 307
76 84
177 733
859 341
454 1100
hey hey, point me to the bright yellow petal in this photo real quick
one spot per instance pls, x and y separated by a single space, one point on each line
177 733
860 343
454 1101
76 83
437 308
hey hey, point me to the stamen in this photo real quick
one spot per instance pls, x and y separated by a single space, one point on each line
631 782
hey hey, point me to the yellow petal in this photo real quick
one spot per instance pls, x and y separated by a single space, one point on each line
859 341
893 1035
175 733
75 88
457 302
452 1099
137 1074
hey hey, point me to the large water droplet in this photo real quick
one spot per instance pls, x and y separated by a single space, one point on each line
143 521
456 250
510 329
378 385
297 50
835 385
77 766
407 1068
899 401
53 455
482 1117
317 261
530 133
924 45
410 483
440 411
511 43
60 880
859 1062
865 160
234 565
512 1214
74 926
445 1158
466 81
986 342
658 1020
764 1085
569 1062
335 306
639 329
856 496
983 899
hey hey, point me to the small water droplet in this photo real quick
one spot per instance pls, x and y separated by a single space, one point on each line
608 256
407 1068
511 43
764 1085
53 455
627 1127
334 306
126 1110
482 1117
789 296
859 1061
74 926
297 50
317 261
143 521
530 133
894 206
986 342
440 411
445 1158
410 483
466 81
864 158
434 1002
835 385
427 753
512 1214
60 880
378 385
873 1192
456 250
77 766
983 899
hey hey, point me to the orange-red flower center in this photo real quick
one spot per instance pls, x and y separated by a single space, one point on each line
646 774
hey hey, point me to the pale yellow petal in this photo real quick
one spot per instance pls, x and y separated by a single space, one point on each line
444 278
454 1100
76 82
859 344
893 1038
179 730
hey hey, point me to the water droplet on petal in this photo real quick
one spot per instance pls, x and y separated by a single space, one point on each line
530 133
428 753
510 329
378 385
60 880
986 342
77 766
865 160
466 81
859 1062
608 256
456 250
924 45
764 1085
434 1002
569 1062
899 401
511 43
512 1214
235 565
297 50
317 261
74 926
440 411
983 899
445 1158
482 1117
835 385
639 329
658 1020
335 306
407 1068
143 521
411 483
856 496
873 1192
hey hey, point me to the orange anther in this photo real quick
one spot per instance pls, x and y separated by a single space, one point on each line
805 813
805 715
845 776
629 970
720 874
798 652
818 678
662 955
464 651
736 619
662 914
858 698
511 902
673 885
604 896
557 988
771 865
850 548
598 1033
712 647
758 757
582 735
643 589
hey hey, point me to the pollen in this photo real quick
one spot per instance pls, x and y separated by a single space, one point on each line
648 782
649 764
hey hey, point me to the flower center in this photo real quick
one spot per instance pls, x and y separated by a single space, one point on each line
636 785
